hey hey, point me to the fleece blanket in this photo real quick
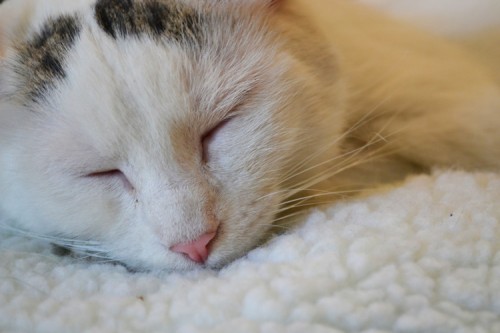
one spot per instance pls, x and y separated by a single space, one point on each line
423 256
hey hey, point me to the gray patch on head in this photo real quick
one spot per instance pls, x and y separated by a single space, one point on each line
41 60
134 18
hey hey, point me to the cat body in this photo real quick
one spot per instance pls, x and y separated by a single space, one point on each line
169 134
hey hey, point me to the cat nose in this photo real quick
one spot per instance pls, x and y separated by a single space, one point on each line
196 250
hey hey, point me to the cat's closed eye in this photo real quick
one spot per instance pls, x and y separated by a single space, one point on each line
209 138
112 175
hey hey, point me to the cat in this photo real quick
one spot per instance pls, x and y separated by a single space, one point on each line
174 134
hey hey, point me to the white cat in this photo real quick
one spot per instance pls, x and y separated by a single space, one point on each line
169 134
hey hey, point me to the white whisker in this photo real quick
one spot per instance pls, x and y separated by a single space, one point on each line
84 247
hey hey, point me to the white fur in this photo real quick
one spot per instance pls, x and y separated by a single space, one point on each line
144 107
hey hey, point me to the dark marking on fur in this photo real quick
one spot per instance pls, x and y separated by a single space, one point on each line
60 251
135 18
115 16
41 60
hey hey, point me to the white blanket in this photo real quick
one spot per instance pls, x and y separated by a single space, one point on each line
421 257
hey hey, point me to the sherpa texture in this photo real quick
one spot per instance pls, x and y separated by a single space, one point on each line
421 257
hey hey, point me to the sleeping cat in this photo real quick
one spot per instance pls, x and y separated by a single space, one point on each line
169 134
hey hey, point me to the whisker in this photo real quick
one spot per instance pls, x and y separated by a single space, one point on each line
82 247
23 232
280 218
363 120
338 167
338 193
349 154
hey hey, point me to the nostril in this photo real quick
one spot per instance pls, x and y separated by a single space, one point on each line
196 250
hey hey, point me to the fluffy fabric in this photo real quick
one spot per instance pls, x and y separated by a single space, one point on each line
421 257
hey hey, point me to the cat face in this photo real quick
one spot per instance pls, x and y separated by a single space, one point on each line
154 133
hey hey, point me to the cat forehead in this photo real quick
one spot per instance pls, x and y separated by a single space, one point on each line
41 60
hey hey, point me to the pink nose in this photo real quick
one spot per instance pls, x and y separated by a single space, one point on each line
196 250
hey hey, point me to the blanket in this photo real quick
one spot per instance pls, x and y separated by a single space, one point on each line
422 256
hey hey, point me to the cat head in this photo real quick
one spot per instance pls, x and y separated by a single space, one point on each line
157 133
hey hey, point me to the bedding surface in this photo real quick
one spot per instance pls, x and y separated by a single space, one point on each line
422 256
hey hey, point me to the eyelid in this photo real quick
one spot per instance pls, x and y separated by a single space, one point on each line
105 173
207 137
112 173
217 126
